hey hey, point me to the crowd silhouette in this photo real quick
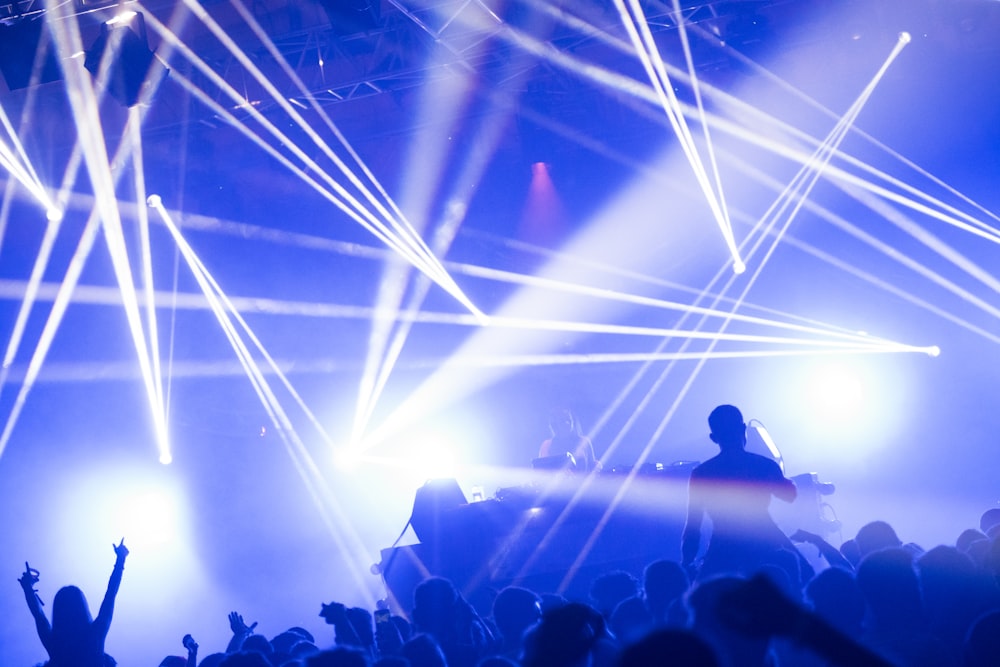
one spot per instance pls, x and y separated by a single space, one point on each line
751 600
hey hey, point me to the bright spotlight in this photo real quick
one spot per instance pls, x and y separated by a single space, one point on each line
934 351
166 459
122 18
54 214
836 393
904 38
148 519
154 201
739 268
433 458
347 459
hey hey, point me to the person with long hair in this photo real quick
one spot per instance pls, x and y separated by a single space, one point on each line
567 438
74 639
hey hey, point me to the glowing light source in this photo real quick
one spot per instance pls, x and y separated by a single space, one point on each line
121 19
934 351
835 392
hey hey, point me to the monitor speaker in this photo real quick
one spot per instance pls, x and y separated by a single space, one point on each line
432 501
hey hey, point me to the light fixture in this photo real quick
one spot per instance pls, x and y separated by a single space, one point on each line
134 72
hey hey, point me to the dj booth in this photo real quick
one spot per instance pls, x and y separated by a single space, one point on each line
559 533
555 535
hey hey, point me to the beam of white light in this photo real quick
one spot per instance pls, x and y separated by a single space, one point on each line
332 514
111 296
928 239
822 156
318 108
40 265
30 296
623 297
376 229
891 252
9 161
343 199
84 103
16 161
462 185
750 116
365 219
440 105
149 290
94 295
59 306
235 313
934 208
909 297
428 264
379 360
914 191
56 372
702 119
648 54
527 360
430 149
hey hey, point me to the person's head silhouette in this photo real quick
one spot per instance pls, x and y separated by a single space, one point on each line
728 430
70 612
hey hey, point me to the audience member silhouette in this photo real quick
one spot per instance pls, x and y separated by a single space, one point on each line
573 635
757 608
733 648
245 659
955 593
897 625
835 596
876 535
422 650
982 644
340 656
610 589
515 610
734 489
631 620
440 611
74 639
664 585
989 521
669 647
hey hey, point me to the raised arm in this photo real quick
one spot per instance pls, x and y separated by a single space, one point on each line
826 550
691 538
103 621
240 632
28 581
192 648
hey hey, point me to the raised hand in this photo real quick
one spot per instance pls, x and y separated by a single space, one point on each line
121 551
237 625
28 581
29 578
